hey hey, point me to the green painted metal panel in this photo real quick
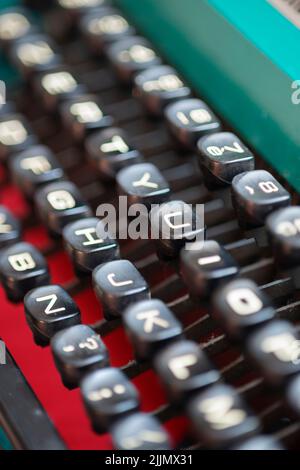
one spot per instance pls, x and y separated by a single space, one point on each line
9 3
263 25
240 56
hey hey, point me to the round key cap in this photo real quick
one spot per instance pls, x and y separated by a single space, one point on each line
183 368
150 325
59 204
70 12
131 55
22 267
15 135
89 245
119 284
108 395
139 431
275 348
49 309
159 86
83 115
10 228
255 195
110 150
284 230
143 183
174 225
222 156
79 7
259 442
190 119
15 23
292 395
241 306
203 268
103 26
220 417
56 86
35 167
77 351
34 53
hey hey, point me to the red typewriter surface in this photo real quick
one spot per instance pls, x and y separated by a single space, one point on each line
163 119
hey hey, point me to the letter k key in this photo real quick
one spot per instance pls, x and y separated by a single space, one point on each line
150 325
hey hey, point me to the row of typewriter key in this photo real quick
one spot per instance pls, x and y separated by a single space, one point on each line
218 413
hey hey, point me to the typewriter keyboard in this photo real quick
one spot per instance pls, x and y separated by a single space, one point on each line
121 343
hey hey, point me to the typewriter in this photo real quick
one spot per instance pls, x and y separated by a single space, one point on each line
188 108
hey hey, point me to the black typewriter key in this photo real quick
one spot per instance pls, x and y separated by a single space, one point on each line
76 8
69 12
57 85
222 156
183 368
131 55
34 53
10 228
108 395
139 431
292 395
15 23
83 115
89 245
255 195
59 204
284 230
190 119
104 26
49 309
220 417
22 267
158 87
205 266
150 325
119 284
143 183
15 135
241 306
174 225
260 442
275 348
77 351
35 167
110 150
